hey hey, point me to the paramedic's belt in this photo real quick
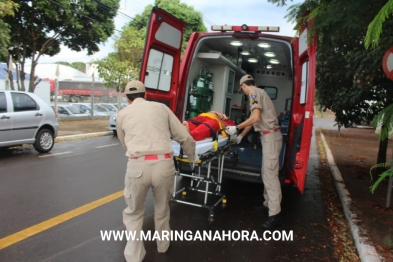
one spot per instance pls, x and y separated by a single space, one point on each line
152 157
269 131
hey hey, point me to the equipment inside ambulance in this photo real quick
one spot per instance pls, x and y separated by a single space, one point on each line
207 78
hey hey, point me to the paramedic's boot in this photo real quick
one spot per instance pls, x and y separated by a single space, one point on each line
272 222
261 208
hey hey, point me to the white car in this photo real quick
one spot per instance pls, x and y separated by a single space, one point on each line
69 111
98 109
109 106
26 119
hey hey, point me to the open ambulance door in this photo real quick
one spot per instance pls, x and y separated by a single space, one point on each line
161 57
301 124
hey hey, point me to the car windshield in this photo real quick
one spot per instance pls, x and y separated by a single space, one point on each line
73 109
100 108
109 107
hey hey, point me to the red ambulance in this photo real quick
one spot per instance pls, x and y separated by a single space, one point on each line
206 77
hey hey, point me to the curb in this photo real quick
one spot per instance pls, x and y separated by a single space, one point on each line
367 253
82 136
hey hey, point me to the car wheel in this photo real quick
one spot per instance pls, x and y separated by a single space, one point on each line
114 133
44 141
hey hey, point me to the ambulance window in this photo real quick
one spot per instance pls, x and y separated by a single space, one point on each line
304 84
271 91
159 71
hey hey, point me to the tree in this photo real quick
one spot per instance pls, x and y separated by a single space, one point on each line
7 8
349 77
180 10
40 26
121 66
374 29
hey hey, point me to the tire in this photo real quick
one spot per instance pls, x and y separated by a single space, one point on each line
44 141
114 133
73 99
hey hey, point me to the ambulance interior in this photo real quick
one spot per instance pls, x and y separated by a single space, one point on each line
213 84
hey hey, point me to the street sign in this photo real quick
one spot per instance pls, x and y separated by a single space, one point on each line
387 63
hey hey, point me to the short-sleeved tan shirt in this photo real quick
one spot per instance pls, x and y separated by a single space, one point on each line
260 99
146 128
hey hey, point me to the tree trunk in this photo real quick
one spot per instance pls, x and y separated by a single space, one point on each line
383 147
32 75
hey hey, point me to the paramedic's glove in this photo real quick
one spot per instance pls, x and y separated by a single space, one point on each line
232 130
239 139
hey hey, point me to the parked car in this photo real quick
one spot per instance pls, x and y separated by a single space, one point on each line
109 106
25 118
112 124
98 109
69 111
122 105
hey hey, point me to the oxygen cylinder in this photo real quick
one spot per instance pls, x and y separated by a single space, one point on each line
195 95
193 106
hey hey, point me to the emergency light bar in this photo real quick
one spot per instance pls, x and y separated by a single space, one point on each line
239 28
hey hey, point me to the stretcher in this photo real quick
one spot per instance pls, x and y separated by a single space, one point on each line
202 181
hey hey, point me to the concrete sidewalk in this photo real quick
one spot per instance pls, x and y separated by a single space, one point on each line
81 136
367 253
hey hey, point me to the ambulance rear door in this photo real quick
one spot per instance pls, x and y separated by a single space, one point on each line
301 124
161 57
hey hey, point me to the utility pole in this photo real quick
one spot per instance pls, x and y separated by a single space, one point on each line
92 96
57 88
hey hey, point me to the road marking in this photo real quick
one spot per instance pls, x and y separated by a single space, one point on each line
107 145
38 228
56 154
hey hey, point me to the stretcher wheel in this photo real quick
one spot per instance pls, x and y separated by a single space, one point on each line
211 218
183 194
224 204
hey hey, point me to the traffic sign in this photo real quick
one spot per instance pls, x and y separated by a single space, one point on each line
387 63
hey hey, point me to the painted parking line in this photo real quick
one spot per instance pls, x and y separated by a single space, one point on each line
38 228
107 145
56 154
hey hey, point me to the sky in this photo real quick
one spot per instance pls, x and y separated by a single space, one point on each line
215 12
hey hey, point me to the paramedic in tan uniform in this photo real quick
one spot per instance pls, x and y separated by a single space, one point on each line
145 129
264 119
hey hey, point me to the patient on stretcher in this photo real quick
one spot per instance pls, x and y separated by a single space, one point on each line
202 126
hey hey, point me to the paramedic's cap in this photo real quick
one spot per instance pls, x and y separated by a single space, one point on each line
134 87
245 78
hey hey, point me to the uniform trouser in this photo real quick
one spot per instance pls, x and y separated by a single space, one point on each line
140 176
271 148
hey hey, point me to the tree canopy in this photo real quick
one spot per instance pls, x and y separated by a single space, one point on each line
180 10
124 63
40 26
7 8
349 77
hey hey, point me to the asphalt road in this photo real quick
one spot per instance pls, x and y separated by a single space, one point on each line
34 189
